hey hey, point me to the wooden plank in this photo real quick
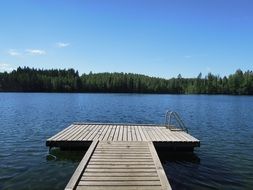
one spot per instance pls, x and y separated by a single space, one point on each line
138 135
119 178
163 136
72 133
170 134
129 134
111 135
65 134
106 136
121 166
122 148
182 136
125 133
123 151
118 174
92 129
134 137
86 133
75 133
159 168
84 128
188 137
77 174
121 160
99 132
119 154
143 137
120 137
116 134
127 153
120 157
60 133
118 143
151 133
124 143
81 136
134 170
157 135
146 133
119 183
119 187
141 149
133 162
94 133
176 135
103 133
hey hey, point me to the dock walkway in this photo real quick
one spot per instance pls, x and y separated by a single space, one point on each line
121 166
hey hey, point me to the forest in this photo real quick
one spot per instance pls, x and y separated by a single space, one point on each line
68 80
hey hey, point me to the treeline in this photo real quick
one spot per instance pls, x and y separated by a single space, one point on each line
36 80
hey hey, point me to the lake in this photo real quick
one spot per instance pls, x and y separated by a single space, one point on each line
224 124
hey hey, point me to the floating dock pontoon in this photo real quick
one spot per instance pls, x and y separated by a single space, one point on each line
121 156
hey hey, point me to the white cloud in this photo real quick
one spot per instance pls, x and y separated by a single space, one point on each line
62 45
35 52
13 52
5 67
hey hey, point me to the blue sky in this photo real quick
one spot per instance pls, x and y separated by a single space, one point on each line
158 38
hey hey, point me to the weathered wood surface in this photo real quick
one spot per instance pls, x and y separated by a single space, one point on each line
79 170
120 132
120 165
120 156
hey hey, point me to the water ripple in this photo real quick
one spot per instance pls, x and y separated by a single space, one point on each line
222 123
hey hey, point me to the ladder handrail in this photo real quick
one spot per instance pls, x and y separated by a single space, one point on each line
168 117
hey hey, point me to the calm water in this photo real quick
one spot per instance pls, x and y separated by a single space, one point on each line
224 124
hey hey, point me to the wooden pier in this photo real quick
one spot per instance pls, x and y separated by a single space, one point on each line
120 156
82 134
120 165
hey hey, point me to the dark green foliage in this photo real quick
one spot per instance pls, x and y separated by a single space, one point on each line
37 80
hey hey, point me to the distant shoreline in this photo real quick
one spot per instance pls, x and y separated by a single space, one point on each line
123 93
69 81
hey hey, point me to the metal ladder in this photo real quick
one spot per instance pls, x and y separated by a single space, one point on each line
174 115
